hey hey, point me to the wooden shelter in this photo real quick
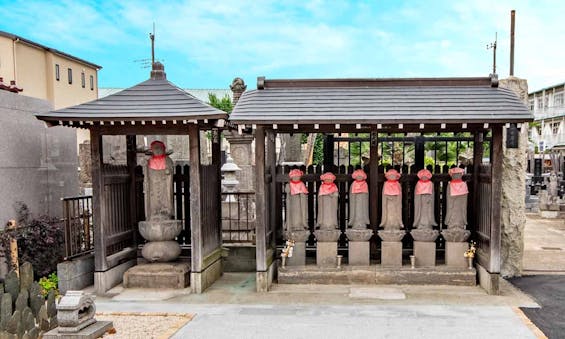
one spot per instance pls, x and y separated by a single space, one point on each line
153 107
381 108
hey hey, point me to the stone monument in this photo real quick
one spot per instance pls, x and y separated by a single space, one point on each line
424 220
456 220
328 230
391 221
296 221
549 199
160 229
358 234
75 316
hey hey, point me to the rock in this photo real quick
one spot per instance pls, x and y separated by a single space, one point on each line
5 310
36 299
33 333
2 288
28 319
51 305
26 276
12 285
26 336
21 302
43 319
53 323
12 326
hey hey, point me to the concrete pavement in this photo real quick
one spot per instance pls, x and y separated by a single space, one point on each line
544 245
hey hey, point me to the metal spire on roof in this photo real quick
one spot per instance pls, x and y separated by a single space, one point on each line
493 46
152 37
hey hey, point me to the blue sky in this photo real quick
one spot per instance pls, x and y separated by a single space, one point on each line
205 44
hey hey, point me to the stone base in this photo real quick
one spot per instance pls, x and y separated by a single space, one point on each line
158 275
96 330
326 254
327 235
104 281
488 281
425 253
455 234
212 270
161 251
549 214
298 255
264 280
454 254
391 235
76 274
374 275
356 235
424 235
359 253
391 254
297 236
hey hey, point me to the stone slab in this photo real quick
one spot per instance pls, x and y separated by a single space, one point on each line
326 254
264 280
359 253
549 214
105 280
371 275
425 253
391 254
93 331
454 254
488 281
298 255
382 293
158 275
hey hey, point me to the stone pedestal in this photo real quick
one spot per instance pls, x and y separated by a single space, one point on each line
359 246
391 254
359 253
161 246
158 275
298 255
454 252
425 253
326 254
96 330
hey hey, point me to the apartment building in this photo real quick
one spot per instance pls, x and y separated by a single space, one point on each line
548 106
46 73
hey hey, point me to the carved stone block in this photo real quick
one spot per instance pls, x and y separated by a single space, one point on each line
298 255
326 254
425 253
454 254
391 253
359 253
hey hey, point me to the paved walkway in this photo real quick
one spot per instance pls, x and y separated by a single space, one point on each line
544 245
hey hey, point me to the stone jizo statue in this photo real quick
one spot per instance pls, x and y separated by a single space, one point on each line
359 201
424 217
392 202
457 192
327 203
296 202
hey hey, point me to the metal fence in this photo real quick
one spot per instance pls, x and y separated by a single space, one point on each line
78 230
238 217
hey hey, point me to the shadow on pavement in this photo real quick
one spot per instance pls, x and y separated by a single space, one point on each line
549 292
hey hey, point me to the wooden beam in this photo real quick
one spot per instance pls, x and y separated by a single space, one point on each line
261 224
195 198
496 196
98 210
217 161
477 162
373 180
131 155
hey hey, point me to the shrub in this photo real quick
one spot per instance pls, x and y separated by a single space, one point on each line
40 241
49 283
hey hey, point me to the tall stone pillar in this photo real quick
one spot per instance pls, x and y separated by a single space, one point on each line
513 213
240 145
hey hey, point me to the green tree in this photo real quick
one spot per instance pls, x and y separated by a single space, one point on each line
225 104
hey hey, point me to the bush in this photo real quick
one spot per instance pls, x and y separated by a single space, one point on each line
40 241
49 283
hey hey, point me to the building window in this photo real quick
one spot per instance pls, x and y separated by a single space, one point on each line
82 80
558 100
70 75
57 73
92 82
540 103
555 128
531 101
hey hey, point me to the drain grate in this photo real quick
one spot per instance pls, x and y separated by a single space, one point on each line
552 248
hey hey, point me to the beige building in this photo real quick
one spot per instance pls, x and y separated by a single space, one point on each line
548 106
49 74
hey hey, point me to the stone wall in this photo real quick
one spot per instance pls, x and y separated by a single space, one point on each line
39 165
513 211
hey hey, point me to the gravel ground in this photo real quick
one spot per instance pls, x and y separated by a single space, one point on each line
144 325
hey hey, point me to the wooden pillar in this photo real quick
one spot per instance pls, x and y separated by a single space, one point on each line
261 211
131 154
419 153
496 198
477 162
271 163
195 210
217 162
98 210
329 147
373 180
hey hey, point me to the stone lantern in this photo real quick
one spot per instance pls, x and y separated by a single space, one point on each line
229 182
